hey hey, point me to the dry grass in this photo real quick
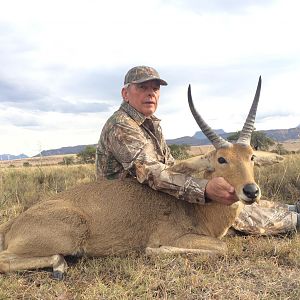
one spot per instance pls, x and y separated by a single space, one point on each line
22 187
255 267
36 161
281 182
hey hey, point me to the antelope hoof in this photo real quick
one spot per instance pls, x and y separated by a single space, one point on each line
58 275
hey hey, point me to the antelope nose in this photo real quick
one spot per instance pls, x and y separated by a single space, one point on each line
251 190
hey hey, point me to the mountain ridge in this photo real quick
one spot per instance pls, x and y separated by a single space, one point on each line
278 135
198 139
12 157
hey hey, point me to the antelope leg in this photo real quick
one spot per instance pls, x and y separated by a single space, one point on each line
10 262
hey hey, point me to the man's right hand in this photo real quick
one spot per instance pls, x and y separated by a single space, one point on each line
219 190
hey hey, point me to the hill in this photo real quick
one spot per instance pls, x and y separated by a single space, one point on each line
63 150
198 139
12 157
282 135
200 135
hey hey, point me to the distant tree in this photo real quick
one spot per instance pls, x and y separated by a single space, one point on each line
180 151
88 155
26 164
259 140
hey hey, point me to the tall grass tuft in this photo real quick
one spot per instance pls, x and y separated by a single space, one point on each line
20 188
281 182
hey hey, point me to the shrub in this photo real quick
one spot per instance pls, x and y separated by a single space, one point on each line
88 155
179 151
259 140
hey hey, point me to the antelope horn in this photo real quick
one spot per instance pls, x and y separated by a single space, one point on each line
215 139
245 135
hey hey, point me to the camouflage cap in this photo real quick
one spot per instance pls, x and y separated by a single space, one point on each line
141 74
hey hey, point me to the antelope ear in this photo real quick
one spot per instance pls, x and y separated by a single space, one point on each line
192 165
263 158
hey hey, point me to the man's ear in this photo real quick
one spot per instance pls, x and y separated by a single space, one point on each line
124 93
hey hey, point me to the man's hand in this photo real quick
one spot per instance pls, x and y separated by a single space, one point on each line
219 190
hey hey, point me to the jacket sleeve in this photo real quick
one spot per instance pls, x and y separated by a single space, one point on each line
138 156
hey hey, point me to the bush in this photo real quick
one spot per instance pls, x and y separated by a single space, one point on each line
88 155
259 140
180 151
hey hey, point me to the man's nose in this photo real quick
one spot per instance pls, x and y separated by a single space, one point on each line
151 91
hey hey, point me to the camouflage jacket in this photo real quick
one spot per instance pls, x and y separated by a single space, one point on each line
131 144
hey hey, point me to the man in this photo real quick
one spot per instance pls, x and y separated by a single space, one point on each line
132 144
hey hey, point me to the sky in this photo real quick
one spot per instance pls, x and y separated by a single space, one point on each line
62 65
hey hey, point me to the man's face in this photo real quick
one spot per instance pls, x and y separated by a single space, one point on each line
143 96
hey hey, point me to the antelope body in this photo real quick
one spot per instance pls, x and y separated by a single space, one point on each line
115 216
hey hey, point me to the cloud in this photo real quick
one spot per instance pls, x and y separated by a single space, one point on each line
221 6
83 93
77 107
63 63
11 92
19 118
95 83
63 106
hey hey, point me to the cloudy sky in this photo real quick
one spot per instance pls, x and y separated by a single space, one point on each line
62 65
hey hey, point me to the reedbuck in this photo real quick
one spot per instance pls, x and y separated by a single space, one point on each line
114 216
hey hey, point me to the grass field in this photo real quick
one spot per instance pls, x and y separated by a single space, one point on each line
36 161
254 268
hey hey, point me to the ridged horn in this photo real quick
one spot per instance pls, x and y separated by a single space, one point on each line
215 139
245 135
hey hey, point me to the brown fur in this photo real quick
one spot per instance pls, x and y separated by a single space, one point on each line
115 216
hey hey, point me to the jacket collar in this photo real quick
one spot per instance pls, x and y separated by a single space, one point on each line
136 115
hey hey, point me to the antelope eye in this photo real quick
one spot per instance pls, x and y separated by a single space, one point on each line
222 160
253 157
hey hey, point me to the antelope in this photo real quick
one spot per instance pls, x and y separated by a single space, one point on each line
116 216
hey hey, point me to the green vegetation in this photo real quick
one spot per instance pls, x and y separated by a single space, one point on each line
179 151
255 267
259 140
88 155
